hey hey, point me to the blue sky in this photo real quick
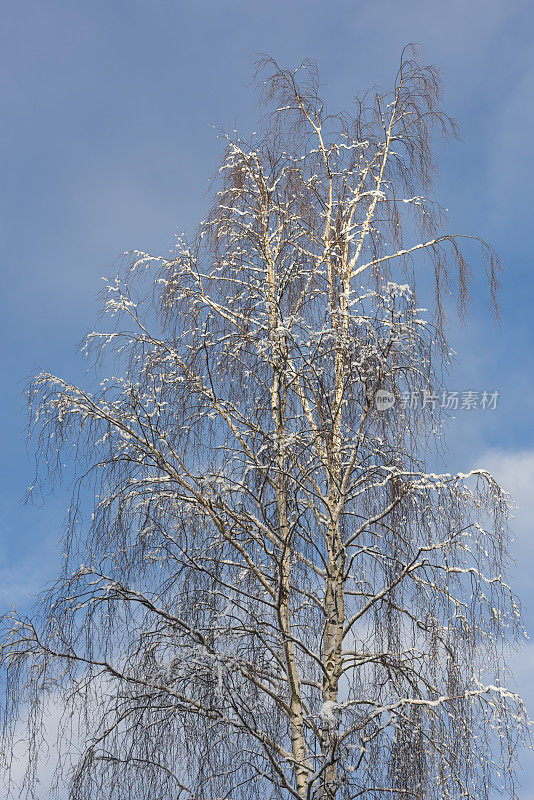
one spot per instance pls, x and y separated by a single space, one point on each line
107 146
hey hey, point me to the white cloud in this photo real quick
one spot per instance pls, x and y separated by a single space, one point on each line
514 471
48 760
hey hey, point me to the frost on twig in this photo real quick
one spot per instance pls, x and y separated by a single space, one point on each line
272 595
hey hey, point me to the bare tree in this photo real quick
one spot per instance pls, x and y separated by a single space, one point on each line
274 596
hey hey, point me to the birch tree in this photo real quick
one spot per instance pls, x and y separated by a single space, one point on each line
266 593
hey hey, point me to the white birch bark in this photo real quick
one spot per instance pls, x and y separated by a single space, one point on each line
273 595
